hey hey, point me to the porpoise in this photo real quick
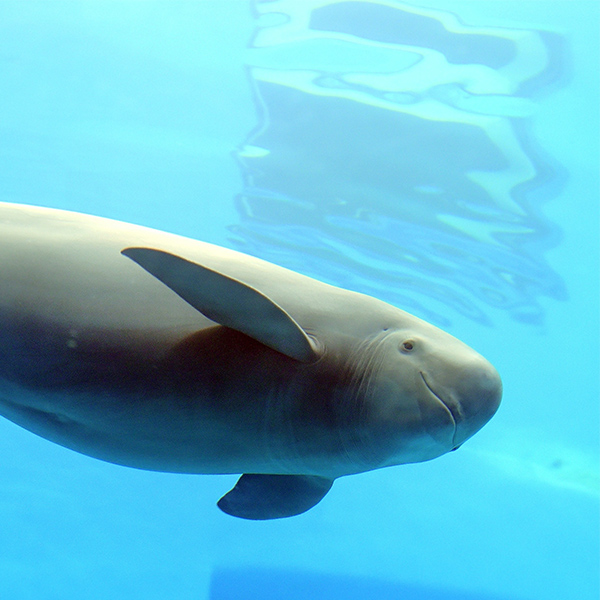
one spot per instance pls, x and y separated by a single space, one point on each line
159 352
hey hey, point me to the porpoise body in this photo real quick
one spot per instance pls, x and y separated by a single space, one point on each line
159 352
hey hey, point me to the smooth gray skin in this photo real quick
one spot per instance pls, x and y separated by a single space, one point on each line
293 382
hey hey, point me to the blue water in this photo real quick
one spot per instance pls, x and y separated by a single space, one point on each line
442 156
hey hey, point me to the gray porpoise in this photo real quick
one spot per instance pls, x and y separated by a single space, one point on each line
159 352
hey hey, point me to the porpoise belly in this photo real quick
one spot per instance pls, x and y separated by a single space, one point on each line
161 434
170 401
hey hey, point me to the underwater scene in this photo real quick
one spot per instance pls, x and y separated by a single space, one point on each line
364 320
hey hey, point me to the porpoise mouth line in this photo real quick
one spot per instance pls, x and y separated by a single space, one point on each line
452 415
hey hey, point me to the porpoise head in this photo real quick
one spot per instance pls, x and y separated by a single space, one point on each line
428 393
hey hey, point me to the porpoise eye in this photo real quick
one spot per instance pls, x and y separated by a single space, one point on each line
407 346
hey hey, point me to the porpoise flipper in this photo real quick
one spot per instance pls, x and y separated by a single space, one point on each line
262 497
228 302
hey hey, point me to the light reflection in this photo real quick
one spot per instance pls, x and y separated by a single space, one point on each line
394 155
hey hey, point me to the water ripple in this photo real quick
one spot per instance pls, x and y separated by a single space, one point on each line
394 155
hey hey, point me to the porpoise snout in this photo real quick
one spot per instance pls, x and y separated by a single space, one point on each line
476 397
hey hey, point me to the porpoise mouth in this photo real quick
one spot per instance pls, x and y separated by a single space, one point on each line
451 410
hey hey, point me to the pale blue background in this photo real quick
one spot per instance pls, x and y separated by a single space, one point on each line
150 112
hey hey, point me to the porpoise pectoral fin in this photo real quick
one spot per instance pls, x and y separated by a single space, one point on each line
261 497
228 302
